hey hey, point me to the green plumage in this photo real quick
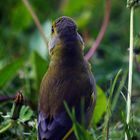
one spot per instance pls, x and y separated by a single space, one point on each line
68 77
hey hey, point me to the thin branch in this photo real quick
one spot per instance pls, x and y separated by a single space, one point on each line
36 20
102 31
18 102
7 98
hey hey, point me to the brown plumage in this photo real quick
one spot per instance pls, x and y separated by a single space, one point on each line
68 78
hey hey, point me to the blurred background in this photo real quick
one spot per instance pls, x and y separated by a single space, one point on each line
24 57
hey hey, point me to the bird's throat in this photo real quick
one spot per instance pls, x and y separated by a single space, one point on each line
69 55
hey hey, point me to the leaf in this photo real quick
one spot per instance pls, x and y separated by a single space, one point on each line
84 18
6 125
100 107
25 114
18 23
117 93
9 71
72 7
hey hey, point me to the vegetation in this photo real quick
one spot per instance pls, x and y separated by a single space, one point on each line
24 59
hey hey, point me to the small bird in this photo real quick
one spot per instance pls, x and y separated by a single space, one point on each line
68 79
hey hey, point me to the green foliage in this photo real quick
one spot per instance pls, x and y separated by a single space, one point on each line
18 23
20 124
25 114
73 7
108 114
24 60
100 107
9 71
80 131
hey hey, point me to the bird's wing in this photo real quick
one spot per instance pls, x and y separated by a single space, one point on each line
54 128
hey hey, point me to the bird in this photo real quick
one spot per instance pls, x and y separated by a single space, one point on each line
68 79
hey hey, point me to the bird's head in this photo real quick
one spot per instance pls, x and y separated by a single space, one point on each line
64 30
63 26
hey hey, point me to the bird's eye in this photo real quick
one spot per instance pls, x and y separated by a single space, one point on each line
52 30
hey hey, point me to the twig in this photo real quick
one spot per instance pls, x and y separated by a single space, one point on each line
6 98
36 20
18 102
96 44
